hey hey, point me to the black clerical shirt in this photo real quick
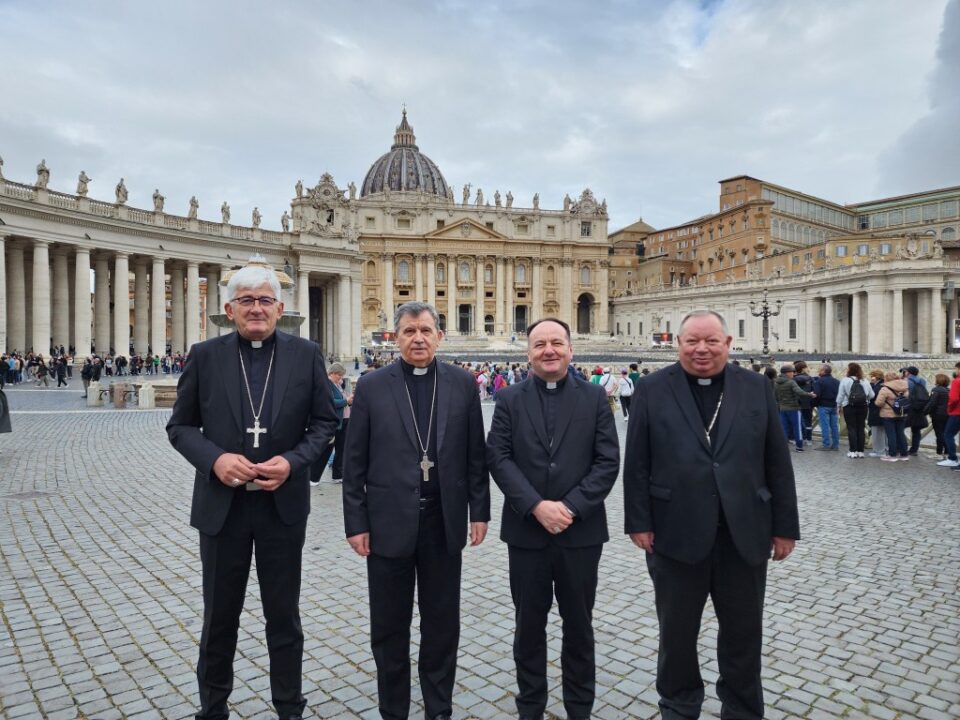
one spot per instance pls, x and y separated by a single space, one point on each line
257 361
549 403
707 394
420 388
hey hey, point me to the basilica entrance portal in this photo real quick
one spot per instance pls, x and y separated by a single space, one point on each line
464 319
584 306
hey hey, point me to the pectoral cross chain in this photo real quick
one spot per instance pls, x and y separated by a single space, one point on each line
257 431
425 465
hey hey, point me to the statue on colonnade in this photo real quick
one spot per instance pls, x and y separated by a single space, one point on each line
82 184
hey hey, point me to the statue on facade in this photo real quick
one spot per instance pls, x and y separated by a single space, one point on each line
194 206
299 189
43 175
352 187
225 212
566 202
536 201
82 182
256 217
496 198
158 200
121 192
603 207
285 221
937 249
509 199
450 194
479 197
466 193
1 168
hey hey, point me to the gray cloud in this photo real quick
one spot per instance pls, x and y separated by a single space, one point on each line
649 103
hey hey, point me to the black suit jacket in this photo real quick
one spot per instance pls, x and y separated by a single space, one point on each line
580 468
207 422
381 470
674 482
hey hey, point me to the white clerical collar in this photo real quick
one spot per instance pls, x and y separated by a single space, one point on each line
704 381
421 371
551 385
256 344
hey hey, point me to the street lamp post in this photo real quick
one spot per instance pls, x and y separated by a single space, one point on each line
763 310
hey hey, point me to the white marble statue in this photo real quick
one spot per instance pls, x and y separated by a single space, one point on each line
158 200
536 201
285 221
256 217
466 193
194 206
225 212
352 187
509 199
496 198
299 189
566 202
479 197
43 175
1 168
121 192
82 184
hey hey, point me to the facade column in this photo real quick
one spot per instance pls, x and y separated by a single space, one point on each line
938 319
508 298
303 302
952 315
499 319
856 311
329 340
3 297
566 292
923 321
432 279
81 304
388 306
176 308
193 305
479 327
452 313
343 316
418 293
603 316
61 300
812 342
141 308
536 312
829 324
16 301
223 299
896 325
40 330
158 308
71 298
356 312
876 327
212 303
121 305
101 299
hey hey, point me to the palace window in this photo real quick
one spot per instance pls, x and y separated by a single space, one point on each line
948 209
371 270
551 275
488 274
403 223
792 329
585 275
948 234
464 272
441 273
403 271
863 250
521 273
895 217
522 228
490 225
551 230
929 212
441 223
841 250
912 214
741 328
586 229
370 221
884 248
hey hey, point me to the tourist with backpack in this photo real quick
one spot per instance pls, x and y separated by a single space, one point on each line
806 403
936 408
853 399
626 392
893 402
916 416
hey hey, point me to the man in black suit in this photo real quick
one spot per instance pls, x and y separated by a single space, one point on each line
709 492
553 451
413 467
253 411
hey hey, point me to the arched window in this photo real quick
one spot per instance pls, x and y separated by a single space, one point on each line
521 273
403 271
551 275
443 322
464 272
775 228
488 273
441 273
371 270
585 275
948 234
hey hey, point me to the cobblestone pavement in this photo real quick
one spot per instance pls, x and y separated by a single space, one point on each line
100 591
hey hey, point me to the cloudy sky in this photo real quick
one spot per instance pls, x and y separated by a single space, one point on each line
648 103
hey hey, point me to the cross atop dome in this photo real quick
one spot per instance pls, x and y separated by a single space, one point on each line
404 136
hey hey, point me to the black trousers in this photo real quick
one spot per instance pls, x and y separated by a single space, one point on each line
252 526
806 422
939 423
535 576
737 590
339 442
625 404
855 418
436 575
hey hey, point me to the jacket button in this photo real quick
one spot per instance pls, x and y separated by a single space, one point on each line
716 465
553 464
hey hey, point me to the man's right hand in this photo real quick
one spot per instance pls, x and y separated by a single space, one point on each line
233 470
360 543
643 540
553 515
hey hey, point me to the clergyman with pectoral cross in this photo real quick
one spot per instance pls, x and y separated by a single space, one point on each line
253 411
415 485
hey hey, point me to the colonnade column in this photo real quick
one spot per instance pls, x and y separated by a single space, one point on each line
158 308
537 311
499 321
40 335
855 324
566 291
875 322
101 299
121 305
3 297
303 302
212 302
176 308
141 308
432 279
508 297
938 342
61 300
922 320
829 324
479 326
16 307
603 316
81 303
452 314
812 342
343 315
193 305
896 325
388 307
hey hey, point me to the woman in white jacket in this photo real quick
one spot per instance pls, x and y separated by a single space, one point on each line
854 406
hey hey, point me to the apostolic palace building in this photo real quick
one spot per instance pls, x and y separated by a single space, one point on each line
878 276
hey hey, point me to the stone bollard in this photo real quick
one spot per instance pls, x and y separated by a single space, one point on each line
147 397
93 395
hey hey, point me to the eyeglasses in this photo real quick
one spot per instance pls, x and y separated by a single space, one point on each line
248 301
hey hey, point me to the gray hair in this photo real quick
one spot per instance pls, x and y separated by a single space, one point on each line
826 369
414 308
700 314
250 278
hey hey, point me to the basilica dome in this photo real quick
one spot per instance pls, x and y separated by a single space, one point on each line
404 168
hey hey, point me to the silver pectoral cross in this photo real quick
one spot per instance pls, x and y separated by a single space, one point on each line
425 465
257 431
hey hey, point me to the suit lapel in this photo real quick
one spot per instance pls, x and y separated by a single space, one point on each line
569 398
282 365
399 390
230 374
531 403
444 393
732 392
681 391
